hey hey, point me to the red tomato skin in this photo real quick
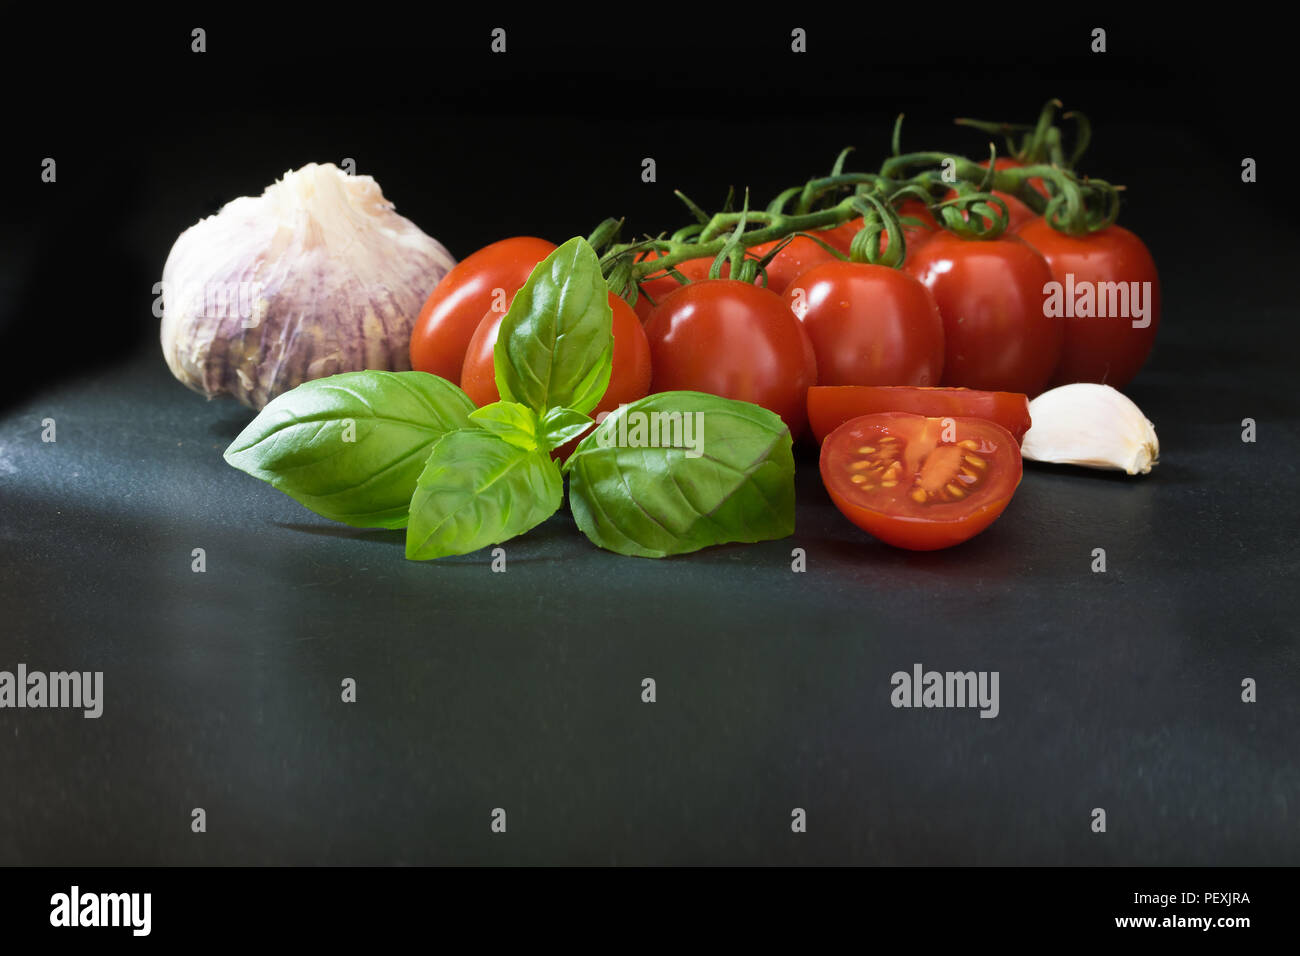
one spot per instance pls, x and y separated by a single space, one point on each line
924 529
829 407
458 303
991 293
736 340
841 237
869 325
799 255
1108 350
655 289
629 379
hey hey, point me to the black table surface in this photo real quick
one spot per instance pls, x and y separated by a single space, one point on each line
522 691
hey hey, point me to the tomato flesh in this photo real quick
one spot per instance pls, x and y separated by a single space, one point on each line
830 406
920 483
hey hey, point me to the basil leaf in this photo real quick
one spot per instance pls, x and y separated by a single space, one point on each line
479 489
515 423
728 477
559 425
351 446
555 346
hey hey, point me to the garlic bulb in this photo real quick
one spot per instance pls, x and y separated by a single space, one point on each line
317 275
1090 425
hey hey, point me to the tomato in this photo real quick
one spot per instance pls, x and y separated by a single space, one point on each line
920 483
735 340
799 255
1097 348
869 325
997 336
831 406
628 381
457 304
841 237
658 287
1018 213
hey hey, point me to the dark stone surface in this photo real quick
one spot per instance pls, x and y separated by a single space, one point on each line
521 690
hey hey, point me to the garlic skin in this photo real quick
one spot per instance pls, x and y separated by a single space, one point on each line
318 275
1090 425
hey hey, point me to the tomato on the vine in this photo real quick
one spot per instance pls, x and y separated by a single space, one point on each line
841 237
658 287
997 335
629 379
458 303
1110 267
920 483
736 340
869 324
829 407
798 256
1018 213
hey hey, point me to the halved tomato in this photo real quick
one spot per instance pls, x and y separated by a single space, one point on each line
920 483
830 406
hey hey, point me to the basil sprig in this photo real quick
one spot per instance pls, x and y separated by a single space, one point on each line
669 474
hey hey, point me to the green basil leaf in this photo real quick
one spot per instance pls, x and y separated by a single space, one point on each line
517 424
559 425
679 471
555 346
479 489
351 446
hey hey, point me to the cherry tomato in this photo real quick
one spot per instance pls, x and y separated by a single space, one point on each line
457 304
920 483
735 340
841 237
1109 348
799 255
628 381
1017 212
658 287
869 325
997 336
829 407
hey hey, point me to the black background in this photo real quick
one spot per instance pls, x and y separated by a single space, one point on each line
522 690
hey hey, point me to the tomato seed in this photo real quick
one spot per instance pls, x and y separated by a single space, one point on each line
975 460
954 491
865 450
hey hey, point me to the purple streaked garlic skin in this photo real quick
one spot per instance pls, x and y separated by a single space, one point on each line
316 276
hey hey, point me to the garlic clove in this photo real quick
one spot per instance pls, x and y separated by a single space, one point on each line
1090 425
